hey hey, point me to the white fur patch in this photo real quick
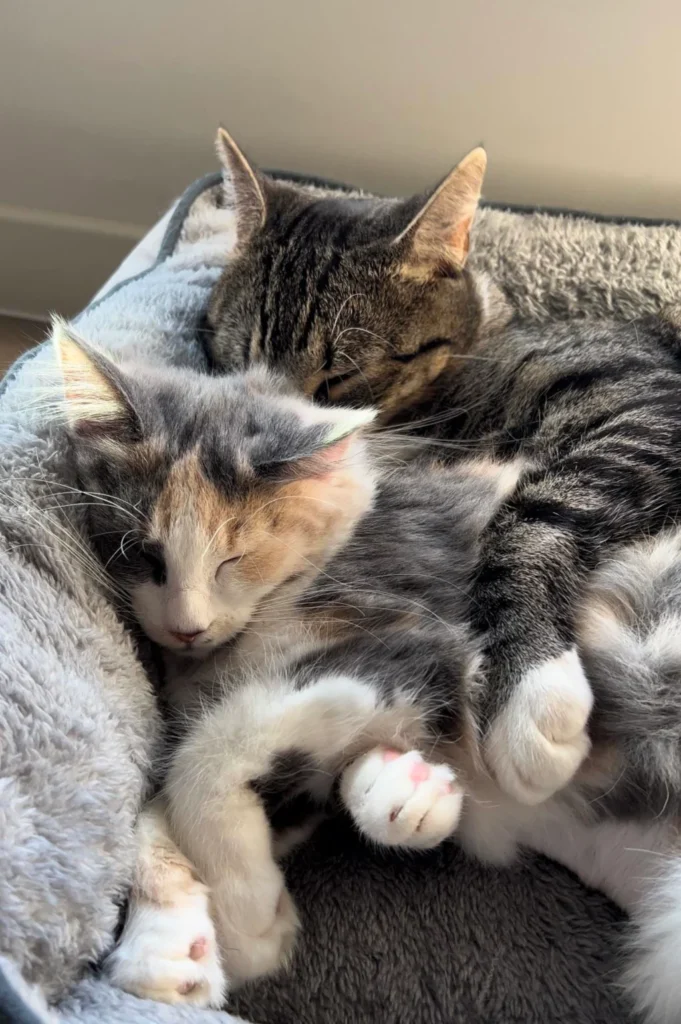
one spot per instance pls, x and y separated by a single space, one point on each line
654 978
157 956
402 801
505 475
219 820
539 739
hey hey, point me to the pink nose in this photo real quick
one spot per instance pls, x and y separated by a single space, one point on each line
187 638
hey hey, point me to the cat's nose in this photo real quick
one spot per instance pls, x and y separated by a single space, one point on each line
187 638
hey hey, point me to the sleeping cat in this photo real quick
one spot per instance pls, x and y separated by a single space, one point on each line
322 598
370 301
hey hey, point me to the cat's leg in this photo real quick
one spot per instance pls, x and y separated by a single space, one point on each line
535 559
168 950
400 799
539 738
216 789
653 976
638 865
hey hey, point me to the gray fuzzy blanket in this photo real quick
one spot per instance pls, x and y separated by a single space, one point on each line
430 939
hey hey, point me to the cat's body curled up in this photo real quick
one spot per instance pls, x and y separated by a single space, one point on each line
326 595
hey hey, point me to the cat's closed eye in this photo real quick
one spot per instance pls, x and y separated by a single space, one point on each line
329 389
428 346
226 563
153 558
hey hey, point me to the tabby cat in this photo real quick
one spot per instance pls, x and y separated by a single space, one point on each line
370 301
317 607
360 299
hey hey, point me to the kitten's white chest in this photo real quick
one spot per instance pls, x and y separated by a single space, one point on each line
264 653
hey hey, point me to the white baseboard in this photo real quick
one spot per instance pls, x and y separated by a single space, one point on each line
55 262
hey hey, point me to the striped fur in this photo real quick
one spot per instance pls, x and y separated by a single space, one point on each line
320 291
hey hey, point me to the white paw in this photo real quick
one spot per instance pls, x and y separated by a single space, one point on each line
539 739
257 923
401 800
170 953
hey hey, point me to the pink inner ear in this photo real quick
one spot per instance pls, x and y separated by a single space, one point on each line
335 452
323 462
460 238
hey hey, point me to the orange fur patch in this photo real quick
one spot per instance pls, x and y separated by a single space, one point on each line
188 491
279 530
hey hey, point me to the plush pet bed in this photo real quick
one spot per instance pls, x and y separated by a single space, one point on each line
428 939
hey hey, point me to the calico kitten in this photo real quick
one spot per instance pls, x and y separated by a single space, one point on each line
363 300
323 604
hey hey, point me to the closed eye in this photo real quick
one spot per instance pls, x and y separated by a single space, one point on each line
428 346
153 558
227 561
323 392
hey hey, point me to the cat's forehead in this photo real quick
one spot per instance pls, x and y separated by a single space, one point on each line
325 244
204 442
223 417
190 500
345 220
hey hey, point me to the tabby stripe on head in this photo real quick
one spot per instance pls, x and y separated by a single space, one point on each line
263 318
336 245
274 297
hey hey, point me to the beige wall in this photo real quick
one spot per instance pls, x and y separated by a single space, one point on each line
107 109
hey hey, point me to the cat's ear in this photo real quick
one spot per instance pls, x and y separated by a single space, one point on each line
342 427
244 188
95 392
437 238
335 432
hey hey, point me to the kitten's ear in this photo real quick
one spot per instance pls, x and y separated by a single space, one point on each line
339 429
437 238
95 391
243 186
343 426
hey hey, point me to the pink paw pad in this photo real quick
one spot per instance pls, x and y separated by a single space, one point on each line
419 772
391 755
198 949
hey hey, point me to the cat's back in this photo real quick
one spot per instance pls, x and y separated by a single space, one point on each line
420 539
535 384
527 350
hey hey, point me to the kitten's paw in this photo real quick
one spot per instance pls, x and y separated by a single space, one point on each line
401 800
170 953
539 739
257 924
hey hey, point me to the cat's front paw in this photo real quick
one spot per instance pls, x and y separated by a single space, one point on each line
257 922
539 739
400 800
169 952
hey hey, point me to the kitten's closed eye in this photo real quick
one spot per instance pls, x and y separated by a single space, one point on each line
227 562
152 556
